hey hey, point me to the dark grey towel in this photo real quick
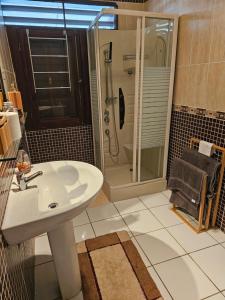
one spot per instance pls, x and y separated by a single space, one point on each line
207 164
187 179
184 203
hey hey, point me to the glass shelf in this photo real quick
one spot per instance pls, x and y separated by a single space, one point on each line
11 154
13 149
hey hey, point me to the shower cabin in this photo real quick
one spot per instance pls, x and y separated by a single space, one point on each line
131 80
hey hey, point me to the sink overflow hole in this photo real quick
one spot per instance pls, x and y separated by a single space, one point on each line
53 205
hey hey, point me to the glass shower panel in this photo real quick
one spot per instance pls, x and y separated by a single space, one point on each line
117 60
94 97
156 70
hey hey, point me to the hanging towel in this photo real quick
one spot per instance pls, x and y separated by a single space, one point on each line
187 179
207 164
184 204
205 148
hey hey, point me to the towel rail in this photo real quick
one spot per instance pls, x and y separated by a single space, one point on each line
218 154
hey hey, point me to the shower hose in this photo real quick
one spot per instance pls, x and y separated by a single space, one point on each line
110 100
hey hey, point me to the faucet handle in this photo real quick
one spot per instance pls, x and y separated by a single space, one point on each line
19 176
21 180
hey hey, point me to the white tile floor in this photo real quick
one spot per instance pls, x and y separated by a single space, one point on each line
184 265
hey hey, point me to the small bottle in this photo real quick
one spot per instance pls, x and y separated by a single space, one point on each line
8 106
23 162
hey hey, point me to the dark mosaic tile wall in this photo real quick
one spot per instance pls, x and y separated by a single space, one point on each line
16 262
70 143
185 125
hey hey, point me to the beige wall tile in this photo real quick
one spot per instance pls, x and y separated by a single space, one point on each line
181 85
216 86
199 82
197 85
184 40
218 36
201 37
155 5
129 22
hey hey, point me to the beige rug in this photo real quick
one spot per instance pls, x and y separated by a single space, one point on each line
112 269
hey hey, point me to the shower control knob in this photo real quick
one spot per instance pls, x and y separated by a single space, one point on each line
106 116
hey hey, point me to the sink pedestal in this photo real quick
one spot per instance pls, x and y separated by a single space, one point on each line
64 252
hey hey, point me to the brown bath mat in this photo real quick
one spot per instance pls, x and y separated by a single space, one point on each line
112 269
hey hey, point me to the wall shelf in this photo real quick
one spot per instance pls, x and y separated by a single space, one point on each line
13 149
11 154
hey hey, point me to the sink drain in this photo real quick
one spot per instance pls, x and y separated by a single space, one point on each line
53 205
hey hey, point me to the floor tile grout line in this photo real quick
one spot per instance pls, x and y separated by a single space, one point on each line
183 247
129 227
172 235
208 297
169 259
161 221
219 291
139 197
161 261
151 265
91 224
166 228
215 238
204 272
123 220
110 219
129 230
101 219
163 283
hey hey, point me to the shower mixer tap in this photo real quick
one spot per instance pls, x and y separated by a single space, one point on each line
106 117
110 100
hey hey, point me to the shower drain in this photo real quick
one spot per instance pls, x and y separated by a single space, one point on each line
53 205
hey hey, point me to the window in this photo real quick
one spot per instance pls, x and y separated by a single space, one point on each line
49 50
56 13
51 67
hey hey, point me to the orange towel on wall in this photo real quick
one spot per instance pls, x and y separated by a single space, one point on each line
1 100
16 99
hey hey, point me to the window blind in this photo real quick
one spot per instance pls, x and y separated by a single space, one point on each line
55 14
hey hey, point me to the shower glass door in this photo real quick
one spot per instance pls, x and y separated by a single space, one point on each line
155 84
95 101
119 60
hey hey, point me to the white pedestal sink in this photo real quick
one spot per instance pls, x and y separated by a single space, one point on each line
49 204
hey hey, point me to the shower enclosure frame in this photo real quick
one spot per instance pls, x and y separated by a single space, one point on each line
140 42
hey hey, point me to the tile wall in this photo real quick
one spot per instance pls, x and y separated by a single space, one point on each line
70 143
186 124
200 65
199 89
16 262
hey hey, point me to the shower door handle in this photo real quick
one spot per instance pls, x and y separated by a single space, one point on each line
121 107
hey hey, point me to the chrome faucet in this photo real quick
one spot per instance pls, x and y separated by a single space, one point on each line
22 181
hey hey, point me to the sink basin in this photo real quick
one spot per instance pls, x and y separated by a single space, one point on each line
49 204
70 185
